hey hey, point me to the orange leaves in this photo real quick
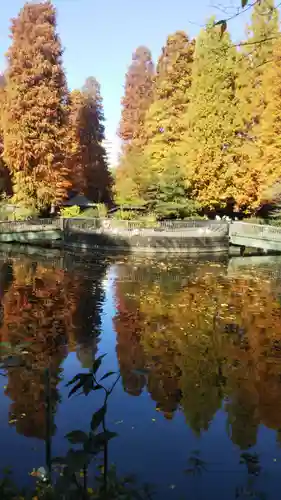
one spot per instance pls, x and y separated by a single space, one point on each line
138 94
35 115
88 166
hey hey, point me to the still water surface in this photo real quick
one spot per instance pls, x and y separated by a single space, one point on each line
198 345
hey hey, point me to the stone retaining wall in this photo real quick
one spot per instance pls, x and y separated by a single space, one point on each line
147 241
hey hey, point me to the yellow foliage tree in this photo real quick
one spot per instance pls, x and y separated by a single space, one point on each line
265 158
208 151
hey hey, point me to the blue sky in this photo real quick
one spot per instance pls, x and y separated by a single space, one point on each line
99 37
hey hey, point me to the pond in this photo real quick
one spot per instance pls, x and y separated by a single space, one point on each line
198 345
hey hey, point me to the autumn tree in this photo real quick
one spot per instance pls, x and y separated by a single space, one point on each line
131 178
265 160
255 58
5 178
75 160
138 94
256 52
2 102
164 124
89 168
36 111
208 149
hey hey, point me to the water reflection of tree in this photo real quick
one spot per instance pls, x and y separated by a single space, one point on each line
49 307
129 350
34 309
210 339
85 298
6 279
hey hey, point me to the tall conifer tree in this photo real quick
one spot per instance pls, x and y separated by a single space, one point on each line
164 121
254 60
209 159
36 112
138 94
89 163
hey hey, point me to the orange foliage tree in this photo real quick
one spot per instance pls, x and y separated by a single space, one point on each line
89 168
5 178
36 112
138 94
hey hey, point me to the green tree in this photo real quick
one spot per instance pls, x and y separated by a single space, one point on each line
164 189
129 178
208 152
36 109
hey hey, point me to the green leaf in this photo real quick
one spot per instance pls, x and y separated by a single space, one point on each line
104 437
244 3
74 379
77 437
98 417
88 385
85 380
108 374
97 363
97 387
91 446
75 388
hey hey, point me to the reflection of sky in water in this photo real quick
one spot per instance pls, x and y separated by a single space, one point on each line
153 448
